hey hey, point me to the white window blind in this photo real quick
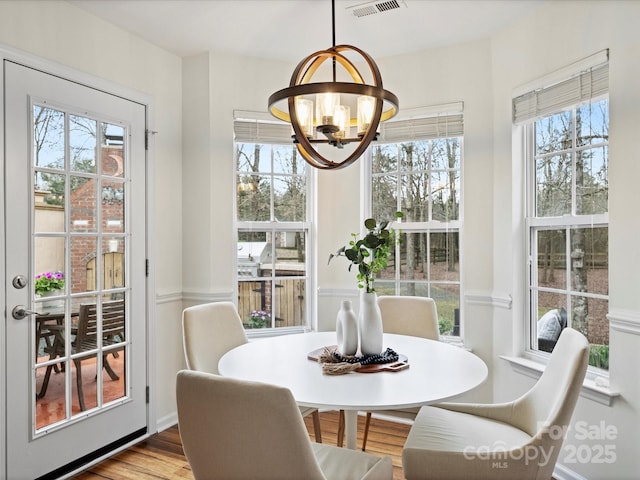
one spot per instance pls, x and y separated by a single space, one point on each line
418 124
256 131
424 123
578 89
422 128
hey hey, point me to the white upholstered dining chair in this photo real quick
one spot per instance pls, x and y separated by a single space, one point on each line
212 329
402 315
234 429
519 439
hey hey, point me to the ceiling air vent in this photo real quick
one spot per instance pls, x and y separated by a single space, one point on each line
371 8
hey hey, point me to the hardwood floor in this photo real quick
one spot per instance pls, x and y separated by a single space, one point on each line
161 457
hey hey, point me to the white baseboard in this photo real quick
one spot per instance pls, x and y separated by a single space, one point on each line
167 421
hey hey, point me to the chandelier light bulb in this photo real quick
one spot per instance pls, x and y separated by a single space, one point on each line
342 118
304 108
366 106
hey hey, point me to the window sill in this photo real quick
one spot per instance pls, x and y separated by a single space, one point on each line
591 388
454 340
255 333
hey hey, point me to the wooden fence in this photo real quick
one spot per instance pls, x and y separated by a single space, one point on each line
289 309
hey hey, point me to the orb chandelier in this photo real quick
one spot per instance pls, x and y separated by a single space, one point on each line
320 111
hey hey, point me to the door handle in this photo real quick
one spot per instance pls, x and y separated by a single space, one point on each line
20 311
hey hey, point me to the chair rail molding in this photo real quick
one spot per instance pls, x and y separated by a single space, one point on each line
494 299
168 297
339 292
207 297
625 321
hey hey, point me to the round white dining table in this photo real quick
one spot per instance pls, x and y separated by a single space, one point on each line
437 372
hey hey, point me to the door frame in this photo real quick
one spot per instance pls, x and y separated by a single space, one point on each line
68 73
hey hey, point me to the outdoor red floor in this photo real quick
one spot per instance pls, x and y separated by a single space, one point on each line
50 408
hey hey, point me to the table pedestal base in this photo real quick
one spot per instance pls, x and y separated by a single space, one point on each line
351 428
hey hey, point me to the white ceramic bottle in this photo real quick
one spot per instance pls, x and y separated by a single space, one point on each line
347 329
370 324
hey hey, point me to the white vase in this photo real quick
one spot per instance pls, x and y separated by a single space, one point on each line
347 329
370 324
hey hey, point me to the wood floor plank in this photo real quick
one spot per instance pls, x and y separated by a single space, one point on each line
161 457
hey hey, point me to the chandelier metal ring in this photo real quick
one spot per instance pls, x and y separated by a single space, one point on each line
301 85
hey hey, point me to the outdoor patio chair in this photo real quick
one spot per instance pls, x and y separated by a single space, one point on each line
86 339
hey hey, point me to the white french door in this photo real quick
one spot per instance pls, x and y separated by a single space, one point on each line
75 315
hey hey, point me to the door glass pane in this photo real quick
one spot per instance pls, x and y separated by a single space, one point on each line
113 263
79 340
51 407
48 137
82 204
114 388
49 197
82 144
112 150
49 255
84 270
51 364
112 206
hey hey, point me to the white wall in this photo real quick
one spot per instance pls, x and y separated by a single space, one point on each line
194 175
556 36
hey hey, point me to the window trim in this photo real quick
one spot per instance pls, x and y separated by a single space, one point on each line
260 118
532 362
425 119
532 224
594 387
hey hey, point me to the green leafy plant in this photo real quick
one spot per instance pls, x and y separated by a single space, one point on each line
599 356
371 252
259 319
445 326
48 282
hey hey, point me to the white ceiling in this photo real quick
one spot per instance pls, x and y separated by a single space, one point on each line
292 29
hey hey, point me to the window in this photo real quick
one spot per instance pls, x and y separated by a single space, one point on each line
272 208
566 130
417 168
